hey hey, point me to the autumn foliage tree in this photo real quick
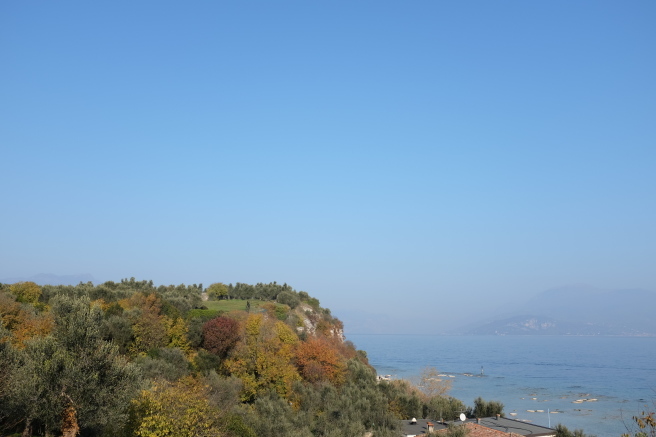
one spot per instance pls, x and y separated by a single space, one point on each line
317 360
150 326
22 321
26 292
263 360
177 330
220 335
179 409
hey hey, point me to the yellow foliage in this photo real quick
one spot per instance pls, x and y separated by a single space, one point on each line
253 324
264 360
26 292
125 304
285 334
101 304
177 331
180 409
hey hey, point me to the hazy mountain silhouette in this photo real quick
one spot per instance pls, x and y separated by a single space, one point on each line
577 310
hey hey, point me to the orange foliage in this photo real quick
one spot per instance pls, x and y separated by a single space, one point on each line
70 427
319 360
32 326
146 302
22 323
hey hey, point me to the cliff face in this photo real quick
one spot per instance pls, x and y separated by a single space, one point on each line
312 320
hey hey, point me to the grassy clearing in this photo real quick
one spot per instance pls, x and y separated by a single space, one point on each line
230 305
218 307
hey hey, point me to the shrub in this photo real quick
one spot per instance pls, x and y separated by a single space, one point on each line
288 298
167 363
206 362
314 303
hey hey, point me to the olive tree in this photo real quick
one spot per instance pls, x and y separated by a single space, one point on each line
72 379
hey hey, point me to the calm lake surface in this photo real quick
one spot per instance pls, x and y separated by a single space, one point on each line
531 373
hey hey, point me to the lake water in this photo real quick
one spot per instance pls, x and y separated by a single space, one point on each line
531 373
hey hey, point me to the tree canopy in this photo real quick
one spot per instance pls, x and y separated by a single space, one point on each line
131 359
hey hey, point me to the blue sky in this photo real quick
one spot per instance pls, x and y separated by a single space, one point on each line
386 157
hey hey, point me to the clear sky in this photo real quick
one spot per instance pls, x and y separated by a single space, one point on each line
408 163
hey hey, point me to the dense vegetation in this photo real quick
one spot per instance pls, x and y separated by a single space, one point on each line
133 359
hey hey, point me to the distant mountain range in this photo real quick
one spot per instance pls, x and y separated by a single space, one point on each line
50 279
577 310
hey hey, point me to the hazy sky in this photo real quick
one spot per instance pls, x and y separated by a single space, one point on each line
418 161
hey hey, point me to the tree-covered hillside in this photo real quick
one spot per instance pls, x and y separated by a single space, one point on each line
132 359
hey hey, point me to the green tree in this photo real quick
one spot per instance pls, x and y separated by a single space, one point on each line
72 374
405 400
562 431
444 407
7 416
483 408
289 298
272 416
217 291
118 330
166 364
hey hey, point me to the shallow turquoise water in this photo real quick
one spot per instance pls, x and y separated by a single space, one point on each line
547 373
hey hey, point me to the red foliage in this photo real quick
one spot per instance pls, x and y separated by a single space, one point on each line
220 335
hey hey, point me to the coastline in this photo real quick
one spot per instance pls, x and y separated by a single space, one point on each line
539 379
